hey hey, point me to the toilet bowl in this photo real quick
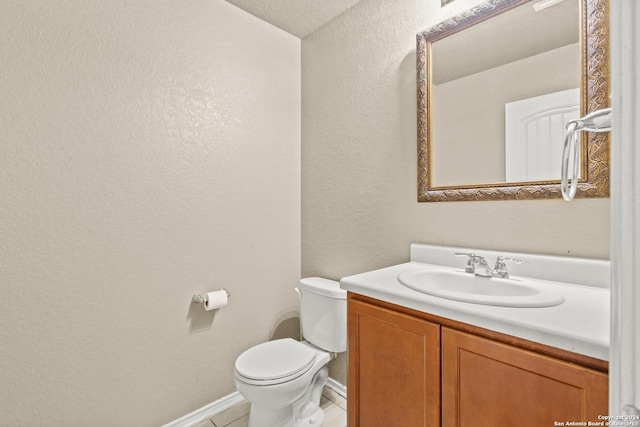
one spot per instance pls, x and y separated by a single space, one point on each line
279 391
283 379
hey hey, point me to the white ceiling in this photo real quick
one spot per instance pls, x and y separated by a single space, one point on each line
298 17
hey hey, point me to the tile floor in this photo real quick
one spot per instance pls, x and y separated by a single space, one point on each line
334 406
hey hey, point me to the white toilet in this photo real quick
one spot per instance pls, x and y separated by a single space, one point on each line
283 379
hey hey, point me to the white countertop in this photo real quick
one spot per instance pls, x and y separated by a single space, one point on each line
580 324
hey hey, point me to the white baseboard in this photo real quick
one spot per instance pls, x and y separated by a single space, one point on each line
226 402
208 411
337 387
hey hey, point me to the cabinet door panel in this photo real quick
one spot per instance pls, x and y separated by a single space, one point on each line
485 383
394 369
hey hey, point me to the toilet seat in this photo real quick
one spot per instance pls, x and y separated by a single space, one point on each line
274 362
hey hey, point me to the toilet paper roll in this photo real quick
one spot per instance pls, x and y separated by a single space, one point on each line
215 300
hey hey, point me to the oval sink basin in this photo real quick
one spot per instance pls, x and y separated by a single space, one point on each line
466 287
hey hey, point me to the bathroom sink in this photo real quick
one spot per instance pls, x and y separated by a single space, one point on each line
461 286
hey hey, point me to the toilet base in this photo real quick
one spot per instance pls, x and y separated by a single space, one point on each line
316 419
260 417
304 412
283 418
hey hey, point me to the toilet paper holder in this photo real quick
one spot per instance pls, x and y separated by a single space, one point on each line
201 299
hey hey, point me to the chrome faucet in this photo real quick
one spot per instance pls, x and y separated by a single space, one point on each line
500 270
477 265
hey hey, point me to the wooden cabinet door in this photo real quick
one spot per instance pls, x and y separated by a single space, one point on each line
487 384
394 369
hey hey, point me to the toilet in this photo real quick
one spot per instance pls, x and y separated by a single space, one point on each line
283 379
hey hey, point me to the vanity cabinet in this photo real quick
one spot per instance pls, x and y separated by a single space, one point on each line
487 383
394 368
409 368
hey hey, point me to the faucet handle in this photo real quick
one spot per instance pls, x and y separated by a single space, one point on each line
504 258
500 269
472 258
469 254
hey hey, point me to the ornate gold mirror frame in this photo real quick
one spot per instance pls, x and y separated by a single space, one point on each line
594 96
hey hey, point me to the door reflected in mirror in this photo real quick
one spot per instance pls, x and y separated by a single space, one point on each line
496 86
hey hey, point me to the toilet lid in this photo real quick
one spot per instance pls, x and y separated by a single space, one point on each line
278 359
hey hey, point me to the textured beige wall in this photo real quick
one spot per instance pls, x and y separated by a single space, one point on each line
359 208
149 150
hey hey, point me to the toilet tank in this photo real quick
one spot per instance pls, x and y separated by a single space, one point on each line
323 313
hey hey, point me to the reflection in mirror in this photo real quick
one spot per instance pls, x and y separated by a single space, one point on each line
525 54
496 86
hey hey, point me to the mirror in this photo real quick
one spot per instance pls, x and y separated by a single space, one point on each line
496 85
